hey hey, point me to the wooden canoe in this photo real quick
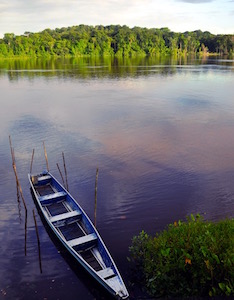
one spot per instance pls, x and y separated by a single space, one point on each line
74 229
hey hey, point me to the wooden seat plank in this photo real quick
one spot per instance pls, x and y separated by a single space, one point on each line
64 216
82 240
106 273
43 177
52 196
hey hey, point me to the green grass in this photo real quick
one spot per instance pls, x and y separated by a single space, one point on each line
192 258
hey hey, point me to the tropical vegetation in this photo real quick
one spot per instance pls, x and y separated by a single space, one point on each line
113 40
190 258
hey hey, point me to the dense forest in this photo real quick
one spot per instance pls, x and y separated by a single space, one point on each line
114 40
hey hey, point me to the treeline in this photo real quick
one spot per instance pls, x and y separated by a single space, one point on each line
113 40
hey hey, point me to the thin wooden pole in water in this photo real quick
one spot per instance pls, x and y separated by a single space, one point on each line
16 175
32 161
21 194
18 200
46 156
25 232
12 151
65 170
95 207
61 174
38 241
20 189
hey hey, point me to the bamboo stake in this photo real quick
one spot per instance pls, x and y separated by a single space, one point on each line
61 174
65 170
20 189
25 232
18 200
16 176
46 157
38 241
95 207
12 152
17 184
32 162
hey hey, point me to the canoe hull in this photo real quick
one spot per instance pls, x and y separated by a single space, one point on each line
75 231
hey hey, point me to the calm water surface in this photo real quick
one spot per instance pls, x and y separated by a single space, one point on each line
161 133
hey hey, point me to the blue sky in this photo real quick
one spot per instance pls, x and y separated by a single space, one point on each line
216 16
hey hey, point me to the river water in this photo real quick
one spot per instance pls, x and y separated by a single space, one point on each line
161 133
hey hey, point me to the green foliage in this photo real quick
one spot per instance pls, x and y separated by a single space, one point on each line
193 258
112 40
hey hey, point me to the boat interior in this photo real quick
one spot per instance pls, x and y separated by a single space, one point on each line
70 223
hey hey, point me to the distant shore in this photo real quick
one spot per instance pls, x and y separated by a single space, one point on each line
114 40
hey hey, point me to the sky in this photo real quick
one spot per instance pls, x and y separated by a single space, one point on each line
215 16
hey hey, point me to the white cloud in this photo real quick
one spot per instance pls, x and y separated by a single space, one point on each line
195 1
19 16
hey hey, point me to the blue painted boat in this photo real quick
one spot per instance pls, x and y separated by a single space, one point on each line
74 229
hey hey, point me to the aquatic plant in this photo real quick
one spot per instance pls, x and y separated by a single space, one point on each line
191 258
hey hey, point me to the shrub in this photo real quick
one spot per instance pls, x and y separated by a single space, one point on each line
192 258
